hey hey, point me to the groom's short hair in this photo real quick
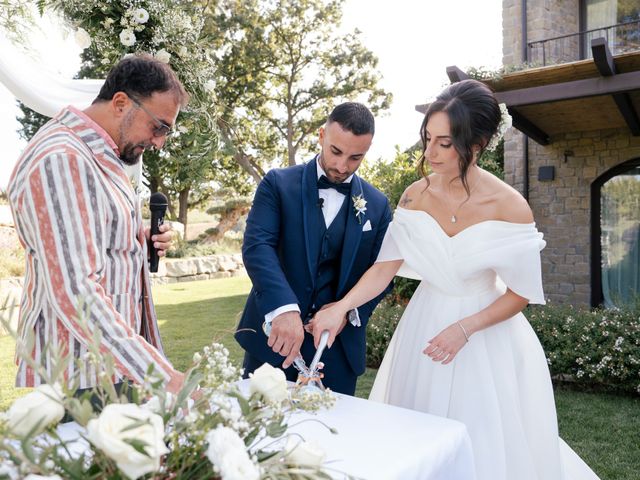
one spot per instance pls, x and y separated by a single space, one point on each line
353 117
141 76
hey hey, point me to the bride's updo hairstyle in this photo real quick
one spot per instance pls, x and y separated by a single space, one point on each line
474 117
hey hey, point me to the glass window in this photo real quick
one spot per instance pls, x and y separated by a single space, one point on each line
620 237
623 18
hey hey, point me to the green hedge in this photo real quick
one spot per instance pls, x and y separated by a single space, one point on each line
588 347
380 329
600 346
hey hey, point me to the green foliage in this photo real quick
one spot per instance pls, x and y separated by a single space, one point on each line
591 346
380 329
16 19
493 161
230 205
31 122
284 72
392 178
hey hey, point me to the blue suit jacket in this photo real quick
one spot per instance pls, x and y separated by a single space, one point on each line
281 248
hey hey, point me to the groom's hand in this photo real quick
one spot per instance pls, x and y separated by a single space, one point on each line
286 336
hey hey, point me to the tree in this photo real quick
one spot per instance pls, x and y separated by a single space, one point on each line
230 213
263 75
280 70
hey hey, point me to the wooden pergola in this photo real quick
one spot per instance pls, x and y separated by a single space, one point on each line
599 93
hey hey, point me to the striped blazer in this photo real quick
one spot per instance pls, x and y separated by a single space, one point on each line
78 218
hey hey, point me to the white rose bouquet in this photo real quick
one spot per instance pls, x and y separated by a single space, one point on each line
226 434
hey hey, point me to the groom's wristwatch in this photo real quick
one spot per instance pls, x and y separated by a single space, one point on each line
353 318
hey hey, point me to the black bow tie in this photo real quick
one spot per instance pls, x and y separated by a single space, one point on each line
343 188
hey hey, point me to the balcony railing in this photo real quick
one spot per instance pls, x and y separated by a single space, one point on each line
622 38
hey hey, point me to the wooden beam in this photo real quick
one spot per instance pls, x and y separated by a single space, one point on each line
628 112
455 74
590 87
602 57
604 62
527 127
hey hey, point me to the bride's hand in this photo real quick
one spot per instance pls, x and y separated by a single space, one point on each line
332 318
446 345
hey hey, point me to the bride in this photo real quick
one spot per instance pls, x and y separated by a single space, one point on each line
463 349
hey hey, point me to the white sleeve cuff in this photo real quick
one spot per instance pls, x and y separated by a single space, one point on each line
291 307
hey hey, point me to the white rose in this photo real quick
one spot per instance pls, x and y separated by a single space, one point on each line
37 409
140 15
210 86
82 38
270 382
156 405
127 37
111 429
299 452
9 470
183 52
163 55
228 453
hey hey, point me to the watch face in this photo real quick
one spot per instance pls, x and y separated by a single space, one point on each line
266 328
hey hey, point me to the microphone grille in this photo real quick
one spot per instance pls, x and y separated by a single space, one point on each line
158 199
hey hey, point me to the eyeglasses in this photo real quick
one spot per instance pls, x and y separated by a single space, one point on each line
161 129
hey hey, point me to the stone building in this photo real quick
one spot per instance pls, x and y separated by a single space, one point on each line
574 95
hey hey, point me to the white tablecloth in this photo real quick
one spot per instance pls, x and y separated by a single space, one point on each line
377 441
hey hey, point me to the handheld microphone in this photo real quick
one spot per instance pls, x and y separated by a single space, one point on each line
158 205
320 202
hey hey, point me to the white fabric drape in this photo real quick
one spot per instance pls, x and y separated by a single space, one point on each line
38 89
44 91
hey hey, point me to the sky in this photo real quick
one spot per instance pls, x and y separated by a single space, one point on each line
414 40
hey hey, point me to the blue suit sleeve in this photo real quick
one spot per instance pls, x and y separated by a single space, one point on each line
367 309
260 249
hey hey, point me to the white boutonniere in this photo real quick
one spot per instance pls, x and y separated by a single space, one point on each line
360 206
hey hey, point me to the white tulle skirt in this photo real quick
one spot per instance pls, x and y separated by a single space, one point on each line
498 385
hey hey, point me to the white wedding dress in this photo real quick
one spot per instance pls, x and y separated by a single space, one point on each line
498 385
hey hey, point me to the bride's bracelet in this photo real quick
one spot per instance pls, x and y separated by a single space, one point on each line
463 331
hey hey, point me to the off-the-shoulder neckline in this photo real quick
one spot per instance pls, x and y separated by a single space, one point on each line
502 222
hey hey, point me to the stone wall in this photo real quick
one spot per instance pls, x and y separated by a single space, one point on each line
200 268
545 19
562 207
169 271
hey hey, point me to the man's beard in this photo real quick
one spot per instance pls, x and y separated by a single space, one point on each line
331 175
128 155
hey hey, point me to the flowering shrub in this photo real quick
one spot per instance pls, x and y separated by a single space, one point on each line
380 329
586 346
225 434
599 346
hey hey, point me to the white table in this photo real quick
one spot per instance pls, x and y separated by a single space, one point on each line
377 441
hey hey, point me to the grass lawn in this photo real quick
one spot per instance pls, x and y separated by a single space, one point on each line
603 428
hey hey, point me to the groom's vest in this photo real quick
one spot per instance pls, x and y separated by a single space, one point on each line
328 274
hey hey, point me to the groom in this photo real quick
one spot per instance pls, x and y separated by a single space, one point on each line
313 231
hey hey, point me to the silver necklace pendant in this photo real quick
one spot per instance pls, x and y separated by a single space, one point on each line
453 219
